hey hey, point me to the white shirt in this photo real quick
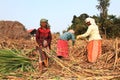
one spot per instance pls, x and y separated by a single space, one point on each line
92 32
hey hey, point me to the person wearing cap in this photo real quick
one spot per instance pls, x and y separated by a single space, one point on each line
94 44
43 35
62 44
43 39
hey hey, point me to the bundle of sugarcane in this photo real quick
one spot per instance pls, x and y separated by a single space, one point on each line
12 61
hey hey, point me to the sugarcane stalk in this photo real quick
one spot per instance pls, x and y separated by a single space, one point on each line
67 68
101 77
116 53
61 62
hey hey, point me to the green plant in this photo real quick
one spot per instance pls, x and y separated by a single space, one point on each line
12 61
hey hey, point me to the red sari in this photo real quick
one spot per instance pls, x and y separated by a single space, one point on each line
62 48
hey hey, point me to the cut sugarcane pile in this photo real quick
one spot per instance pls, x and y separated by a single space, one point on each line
12 62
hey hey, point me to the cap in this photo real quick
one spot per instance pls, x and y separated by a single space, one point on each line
43 20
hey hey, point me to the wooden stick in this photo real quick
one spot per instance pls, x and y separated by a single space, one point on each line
80 77
67 68
116 53
101 77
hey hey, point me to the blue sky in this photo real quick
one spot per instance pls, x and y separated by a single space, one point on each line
58 12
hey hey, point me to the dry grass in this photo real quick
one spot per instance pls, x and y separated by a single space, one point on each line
77 68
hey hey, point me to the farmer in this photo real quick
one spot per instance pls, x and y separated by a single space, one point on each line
62 44
94 44
43 39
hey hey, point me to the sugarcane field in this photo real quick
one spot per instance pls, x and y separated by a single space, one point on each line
20 60
59 40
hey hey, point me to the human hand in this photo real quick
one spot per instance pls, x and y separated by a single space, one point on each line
45 43
48 50
79 36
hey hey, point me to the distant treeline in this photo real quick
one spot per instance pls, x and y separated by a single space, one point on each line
110 30
109 25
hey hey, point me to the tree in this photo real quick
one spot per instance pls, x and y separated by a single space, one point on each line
78 24
83 16
103 7
111 24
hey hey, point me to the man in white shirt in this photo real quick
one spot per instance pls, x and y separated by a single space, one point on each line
94 45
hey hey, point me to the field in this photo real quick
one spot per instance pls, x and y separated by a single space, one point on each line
77 68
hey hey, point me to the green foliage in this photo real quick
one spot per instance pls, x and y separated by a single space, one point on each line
109 25
112 25
78 24
113 28
103 8
11 61
113 31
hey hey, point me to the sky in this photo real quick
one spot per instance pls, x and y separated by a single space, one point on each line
58 12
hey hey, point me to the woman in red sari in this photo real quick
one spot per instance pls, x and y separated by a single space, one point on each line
62 44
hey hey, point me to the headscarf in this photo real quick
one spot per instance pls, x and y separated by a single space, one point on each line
91 20
71 31
43 20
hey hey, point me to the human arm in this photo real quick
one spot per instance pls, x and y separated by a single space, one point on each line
87 33
38 37
73 39
49 40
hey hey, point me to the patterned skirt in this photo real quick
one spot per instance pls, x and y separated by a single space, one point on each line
94 50
62 48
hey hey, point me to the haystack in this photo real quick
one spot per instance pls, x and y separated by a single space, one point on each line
13 30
